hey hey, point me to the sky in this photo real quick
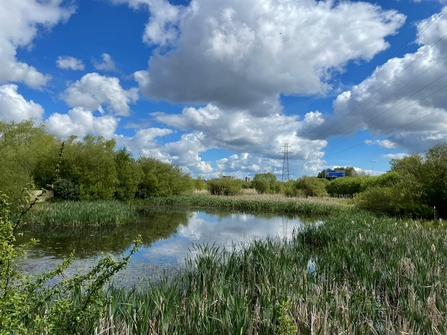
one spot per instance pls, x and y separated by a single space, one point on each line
231 87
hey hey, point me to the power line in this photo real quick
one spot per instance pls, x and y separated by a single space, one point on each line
388 133
389 81
436 17
339 140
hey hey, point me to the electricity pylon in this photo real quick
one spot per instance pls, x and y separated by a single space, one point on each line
285 162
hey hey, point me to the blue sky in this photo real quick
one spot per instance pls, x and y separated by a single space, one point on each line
219 87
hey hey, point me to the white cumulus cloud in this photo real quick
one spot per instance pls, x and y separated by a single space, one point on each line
144 142
239 131
19 23
244 54
162 26
394 156
69 63
107 63
93 90
14 107
404 99
81 122
261 138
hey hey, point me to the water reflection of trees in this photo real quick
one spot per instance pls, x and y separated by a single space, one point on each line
153 224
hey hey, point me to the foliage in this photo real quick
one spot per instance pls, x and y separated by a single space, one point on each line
80 213
29 306
434 178
345 186
22 145
65 189
199 183
90 163
274 204
416 186
373 275
162 179
310 187
260 185
350 186
286 322
247 185
129 175
224 186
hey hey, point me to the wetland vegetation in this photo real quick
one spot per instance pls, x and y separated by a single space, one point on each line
377 265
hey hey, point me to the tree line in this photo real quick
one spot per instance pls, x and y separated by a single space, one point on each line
91 168
415 186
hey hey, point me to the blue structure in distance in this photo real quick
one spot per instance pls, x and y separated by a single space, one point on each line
334 174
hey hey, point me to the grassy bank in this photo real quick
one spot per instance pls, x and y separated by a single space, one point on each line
79 213
254 203
372 276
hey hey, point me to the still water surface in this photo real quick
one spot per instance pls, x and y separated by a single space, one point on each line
168 237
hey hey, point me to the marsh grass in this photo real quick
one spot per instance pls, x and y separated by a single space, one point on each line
372 276
78 213
253 203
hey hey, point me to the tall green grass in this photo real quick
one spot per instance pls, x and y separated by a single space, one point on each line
372 276
275 204
77 213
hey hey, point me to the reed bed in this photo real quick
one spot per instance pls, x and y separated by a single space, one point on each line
254 203
372 276
79 213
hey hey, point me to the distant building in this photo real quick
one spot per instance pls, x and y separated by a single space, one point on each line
248 179
226 177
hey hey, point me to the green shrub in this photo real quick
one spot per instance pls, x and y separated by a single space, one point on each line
65 189
162 179
199 183
288 191
311 186
225 186
262 186
129 175
401 199
345 186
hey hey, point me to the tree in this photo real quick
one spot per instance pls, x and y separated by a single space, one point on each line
416 186
199 183
129 175
225 186
434 178
22 145
260 185
90 164
311 186
162 179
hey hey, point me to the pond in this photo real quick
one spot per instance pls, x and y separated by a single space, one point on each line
169 235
